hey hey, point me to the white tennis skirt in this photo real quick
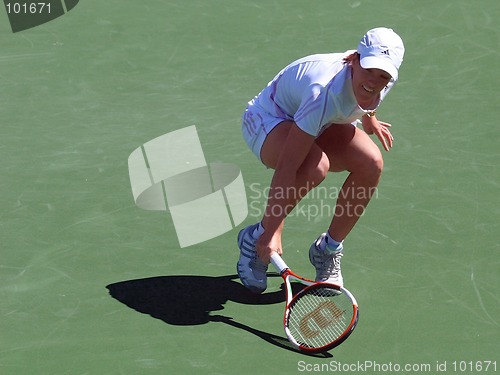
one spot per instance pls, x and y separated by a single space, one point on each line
256 125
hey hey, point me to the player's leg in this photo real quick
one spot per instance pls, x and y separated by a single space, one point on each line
351 149
348 149
310 174
251 270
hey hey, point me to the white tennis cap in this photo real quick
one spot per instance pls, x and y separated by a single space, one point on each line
383 49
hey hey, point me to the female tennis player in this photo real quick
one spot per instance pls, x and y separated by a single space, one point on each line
304 125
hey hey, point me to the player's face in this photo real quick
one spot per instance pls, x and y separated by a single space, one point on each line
367 83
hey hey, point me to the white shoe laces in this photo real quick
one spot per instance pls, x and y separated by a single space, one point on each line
329 264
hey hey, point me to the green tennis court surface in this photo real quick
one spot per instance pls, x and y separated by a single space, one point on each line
92 284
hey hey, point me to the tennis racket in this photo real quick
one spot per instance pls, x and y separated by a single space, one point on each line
320 316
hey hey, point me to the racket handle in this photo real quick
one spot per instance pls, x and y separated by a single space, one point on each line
278 262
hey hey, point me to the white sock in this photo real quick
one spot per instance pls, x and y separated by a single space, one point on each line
257 232
330 244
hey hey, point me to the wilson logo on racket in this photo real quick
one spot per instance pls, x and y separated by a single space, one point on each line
323 316
320 316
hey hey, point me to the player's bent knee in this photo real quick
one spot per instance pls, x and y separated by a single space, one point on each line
374 165
318 174
369 165
315 171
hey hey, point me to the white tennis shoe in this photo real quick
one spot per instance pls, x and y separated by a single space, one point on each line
327 263
251 270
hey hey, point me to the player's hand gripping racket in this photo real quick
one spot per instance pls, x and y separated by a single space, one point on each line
319 317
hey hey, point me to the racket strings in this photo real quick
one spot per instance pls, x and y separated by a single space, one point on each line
319 317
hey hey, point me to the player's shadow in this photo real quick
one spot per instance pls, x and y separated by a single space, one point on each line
190 300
